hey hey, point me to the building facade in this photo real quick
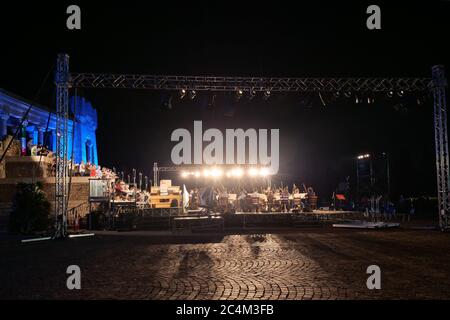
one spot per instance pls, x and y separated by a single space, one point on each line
40 126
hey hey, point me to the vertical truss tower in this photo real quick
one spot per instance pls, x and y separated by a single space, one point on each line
62 115
439 85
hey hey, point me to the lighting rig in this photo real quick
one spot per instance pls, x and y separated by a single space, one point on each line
267 85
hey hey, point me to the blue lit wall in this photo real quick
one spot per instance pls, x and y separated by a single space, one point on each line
12 107
85 143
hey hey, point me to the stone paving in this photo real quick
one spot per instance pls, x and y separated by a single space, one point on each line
301 264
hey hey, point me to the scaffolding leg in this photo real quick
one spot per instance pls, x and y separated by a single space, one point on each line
61 178
441 144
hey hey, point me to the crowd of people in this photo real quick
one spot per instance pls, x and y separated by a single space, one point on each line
221 199
382 207
270 199
124 192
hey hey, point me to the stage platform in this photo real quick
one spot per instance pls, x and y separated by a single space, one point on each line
147 219
286 219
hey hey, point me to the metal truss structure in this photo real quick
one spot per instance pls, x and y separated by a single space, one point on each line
441 144
437 84
62 170
247 84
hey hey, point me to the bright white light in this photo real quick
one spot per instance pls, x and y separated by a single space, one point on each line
184 174
206 173
236 172
197 174
264 172
216 173
364 156
253 172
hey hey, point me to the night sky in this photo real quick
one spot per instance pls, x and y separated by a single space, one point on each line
318 144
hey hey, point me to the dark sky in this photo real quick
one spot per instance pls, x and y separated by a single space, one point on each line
318 144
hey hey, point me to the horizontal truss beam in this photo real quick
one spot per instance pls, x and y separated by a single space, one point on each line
247 84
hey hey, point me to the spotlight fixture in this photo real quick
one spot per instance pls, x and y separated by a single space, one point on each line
216 173
390 94
193 94
169 103
322 100
348 94
212 101
253 172
182 93
363 156
337 94
239 94
356 99
251 94
263 172
267 94
236 173
400 93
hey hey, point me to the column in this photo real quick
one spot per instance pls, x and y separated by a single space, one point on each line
3 124
53 146
40 135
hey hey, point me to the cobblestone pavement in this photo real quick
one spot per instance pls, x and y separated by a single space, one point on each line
302 264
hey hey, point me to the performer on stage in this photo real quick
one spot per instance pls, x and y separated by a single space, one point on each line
285 200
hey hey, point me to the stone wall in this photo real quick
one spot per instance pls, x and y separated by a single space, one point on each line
79 193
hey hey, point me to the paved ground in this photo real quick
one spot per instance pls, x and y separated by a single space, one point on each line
302 264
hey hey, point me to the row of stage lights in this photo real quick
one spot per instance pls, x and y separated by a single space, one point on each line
239 94
363 156
267 94
369 99
216 173
359 97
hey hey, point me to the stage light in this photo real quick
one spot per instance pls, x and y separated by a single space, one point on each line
239 94
193 94
322 100
348 94
216 173
184 174
197 174
212 101
400 93
253 172
267 94
251 94
337 94
363 156
182 93
206 173
390 94
236 172
264 172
